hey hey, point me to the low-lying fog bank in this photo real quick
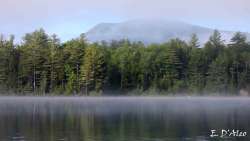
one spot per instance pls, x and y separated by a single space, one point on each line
125 104
135 118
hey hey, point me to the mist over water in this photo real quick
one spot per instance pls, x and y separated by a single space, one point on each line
121 118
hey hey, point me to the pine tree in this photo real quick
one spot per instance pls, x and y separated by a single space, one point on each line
215 39
71 80
8 63
3 64
34 61
194 41
101 69
239 39
88 70
93 70
54 63
217 76
196 71
172 68
74 51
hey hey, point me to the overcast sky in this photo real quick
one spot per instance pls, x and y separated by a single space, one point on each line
69 18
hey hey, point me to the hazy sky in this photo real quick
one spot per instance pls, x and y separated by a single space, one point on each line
69 18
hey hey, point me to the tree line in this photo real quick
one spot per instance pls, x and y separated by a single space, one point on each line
42 65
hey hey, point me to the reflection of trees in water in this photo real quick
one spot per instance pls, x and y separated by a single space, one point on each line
122 120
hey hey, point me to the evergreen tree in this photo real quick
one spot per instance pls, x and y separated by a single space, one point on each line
34 58
55 63
101 70
218 75
239 39
74 51
93 70
215 39
71 80
172 67
8 63
197 71
43 65
194 41
87 70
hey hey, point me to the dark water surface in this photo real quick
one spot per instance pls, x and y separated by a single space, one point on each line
121 118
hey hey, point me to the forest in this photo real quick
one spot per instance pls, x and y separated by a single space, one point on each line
43 65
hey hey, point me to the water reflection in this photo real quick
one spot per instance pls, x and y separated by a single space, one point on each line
121 119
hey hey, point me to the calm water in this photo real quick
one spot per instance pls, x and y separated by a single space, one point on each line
121 119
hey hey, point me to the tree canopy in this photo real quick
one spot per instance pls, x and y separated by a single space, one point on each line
42 65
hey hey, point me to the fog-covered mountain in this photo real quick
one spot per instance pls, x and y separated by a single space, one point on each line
151 31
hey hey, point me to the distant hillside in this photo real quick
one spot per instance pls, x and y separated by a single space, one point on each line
149 31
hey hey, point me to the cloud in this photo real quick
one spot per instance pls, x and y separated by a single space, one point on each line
23 15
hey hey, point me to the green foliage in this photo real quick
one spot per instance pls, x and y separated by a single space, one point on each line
34 61
43 65
93 70
172 67
239 39
218 75
71 80
194 42
197 71
8 63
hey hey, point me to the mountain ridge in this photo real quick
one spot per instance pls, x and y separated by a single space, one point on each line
152 31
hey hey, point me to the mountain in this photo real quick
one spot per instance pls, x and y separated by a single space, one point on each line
151 31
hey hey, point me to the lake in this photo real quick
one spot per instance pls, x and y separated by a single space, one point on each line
122 118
